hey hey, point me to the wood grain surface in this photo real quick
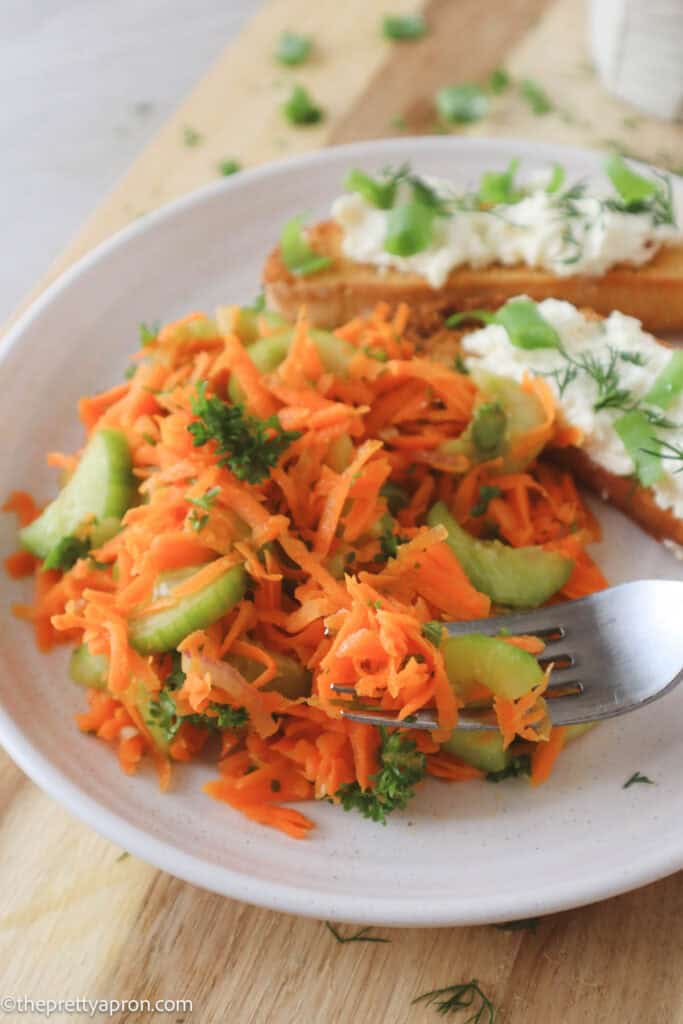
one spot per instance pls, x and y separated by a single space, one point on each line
78 918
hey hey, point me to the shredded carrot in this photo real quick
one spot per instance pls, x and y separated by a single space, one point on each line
23 506
544 755
344 579
21 563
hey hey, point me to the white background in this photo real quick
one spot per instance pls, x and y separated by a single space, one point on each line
85 84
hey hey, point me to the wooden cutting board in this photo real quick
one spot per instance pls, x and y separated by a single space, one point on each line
80 919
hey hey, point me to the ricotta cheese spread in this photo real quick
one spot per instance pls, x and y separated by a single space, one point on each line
541 230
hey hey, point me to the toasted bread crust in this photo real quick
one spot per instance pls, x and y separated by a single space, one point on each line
653 293
624 492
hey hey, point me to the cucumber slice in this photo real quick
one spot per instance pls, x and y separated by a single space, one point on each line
88 669
139 694
293 680
248 321
267 354
508 671
574 732
517 413
163 631
515 577
483 750
102 486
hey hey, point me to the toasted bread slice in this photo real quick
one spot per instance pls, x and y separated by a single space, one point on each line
653 292
624 492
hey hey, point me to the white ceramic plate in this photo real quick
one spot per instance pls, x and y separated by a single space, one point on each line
461 853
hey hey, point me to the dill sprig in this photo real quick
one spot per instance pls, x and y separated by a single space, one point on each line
666 450
360 936
637 777
525 924
465 996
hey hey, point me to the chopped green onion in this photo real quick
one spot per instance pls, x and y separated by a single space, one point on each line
488 428
499 80
556 179
148 333
300 108
535 96
228 167
521 319
433 631
191 138
635 431
496 188
297 254
410 229
668 384
293 48
402 27
633 188
462 104
379 192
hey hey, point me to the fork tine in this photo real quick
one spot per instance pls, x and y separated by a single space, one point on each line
546 623
425 720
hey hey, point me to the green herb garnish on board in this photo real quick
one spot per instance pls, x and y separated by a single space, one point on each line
248 446
228 167
535 96
293 49
401 767
462 104
499 80
297 255
300 107
637 778
524 924
403 27
191 137
360 936
464 996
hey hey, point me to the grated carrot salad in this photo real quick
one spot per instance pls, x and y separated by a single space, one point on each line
323 589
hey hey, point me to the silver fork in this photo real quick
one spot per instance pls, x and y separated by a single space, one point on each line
612 652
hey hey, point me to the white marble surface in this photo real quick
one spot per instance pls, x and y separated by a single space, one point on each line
85 85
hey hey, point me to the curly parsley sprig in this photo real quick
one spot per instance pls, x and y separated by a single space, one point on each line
402 765
248 446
